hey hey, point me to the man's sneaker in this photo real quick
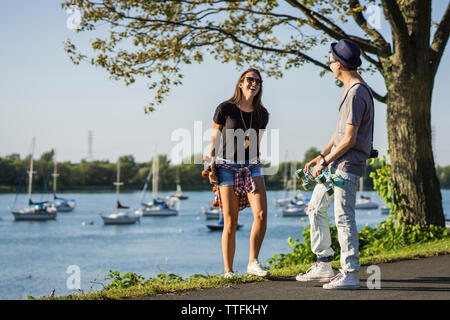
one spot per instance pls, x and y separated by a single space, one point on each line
319 272
229 274
344 280
257 269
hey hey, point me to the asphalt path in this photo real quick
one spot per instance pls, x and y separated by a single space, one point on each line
420 279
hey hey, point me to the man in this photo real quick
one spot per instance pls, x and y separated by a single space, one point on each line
345 155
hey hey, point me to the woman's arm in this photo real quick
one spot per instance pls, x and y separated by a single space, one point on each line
217 129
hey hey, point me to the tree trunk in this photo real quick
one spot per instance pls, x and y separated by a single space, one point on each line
410 87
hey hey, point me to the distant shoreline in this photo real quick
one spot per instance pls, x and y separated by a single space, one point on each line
4 190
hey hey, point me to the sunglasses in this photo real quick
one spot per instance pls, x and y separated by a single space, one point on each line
251 79
328 63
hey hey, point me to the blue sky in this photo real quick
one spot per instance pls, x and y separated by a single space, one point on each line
44 95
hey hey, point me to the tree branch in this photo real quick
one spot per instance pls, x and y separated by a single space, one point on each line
228 34
440 39
400 33
373 33
334 31
224 34
379 97
376 63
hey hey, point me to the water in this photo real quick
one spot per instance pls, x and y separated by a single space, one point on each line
34 256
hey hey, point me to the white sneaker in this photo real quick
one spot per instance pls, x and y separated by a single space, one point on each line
344 280
257 269
229 274
319 272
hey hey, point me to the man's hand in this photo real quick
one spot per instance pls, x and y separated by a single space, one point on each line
312 163
317 170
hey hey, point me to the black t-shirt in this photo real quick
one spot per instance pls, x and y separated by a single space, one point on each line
235 122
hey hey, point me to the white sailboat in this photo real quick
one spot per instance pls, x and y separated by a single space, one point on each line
385 210
35 211
61 204
122 214
364 202
157 207
178 194
219 225
211 212
285 200
296 206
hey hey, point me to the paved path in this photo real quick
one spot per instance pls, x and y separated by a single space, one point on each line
421 279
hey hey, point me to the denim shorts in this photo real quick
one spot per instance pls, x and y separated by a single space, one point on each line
226 177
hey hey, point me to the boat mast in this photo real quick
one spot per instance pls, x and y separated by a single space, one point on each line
294 179
118 183
55 175
141 198
285 181
178 182
30 173
155 167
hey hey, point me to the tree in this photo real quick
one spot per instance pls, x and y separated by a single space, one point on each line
48 156
150 38
310 154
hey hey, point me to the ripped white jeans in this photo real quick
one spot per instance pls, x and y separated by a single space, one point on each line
344 214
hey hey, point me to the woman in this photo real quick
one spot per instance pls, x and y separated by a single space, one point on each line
235 144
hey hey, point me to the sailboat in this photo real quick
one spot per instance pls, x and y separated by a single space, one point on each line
179 194
364 202
211 212
61 204
35 211
296 207
157 207
219 225
122 214
285 200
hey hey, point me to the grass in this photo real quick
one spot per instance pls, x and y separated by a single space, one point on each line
155 287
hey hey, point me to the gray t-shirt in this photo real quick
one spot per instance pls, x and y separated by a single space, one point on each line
357 109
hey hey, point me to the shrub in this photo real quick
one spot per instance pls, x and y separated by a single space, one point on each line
386 236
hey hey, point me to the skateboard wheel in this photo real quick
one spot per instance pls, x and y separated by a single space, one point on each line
321 179
300 173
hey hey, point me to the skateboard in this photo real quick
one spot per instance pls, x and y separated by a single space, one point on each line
326 178
209 166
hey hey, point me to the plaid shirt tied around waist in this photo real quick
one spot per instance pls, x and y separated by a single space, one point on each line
243 184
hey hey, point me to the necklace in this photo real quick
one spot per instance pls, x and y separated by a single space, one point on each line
247 131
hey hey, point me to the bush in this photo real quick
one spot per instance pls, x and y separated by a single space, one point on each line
301 252
132 279
386 236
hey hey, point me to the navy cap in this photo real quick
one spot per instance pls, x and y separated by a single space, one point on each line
347 53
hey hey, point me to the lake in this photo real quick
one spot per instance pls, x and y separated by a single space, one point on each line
34 256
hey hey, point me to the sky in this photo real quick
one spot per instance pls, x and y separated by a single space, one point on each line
43 95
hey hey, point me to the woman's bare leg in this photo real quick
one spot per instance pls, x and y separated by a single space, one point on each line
258 203
230 206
